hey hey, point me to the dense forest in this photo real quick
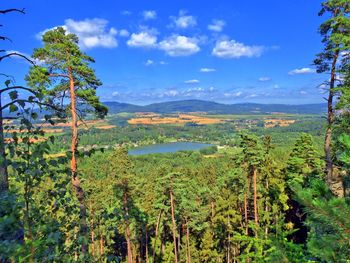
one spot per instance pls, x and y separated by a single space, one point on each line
273 196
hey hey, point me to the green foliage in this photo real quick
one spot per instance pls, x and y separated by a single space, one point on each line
235 206
62 62
304 162
11 232
209 150
328 220
344 156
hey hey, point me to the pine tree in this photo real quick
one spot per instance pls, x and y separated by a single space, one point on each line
252 154
328 222
335 32
304 165
121 169
304 162
65 70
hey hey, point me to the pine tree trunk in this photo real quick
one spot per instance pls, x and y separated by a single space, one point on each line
179 235
256 216
4 184
146 248
75 179
267 209
174 225
92 231
333 182
246 213
102 248
229 241
212 205
156 236
127 228
188 242
162 245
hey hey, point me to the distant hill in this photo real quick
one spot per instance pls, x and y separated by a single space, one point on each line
217 108
116 107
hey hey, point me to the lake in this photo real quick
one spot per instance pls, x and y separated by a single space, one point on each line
168 148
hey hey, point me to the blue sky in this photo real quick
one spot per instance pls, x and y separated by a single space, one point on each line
152 51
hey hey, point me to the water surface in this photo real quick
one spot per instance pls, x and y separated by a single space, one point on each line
168 148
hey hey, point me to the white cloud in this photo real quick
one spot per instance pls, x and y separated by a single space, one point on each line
149 62
217 25
303 92
323 88
23 56
301 71
124 33
207 70
183 21
276 86
263 79
177 45
192 81
144 39
339 77
92 32
170 93
251 96
344 54
115 93
198 89
232 94
39 35
149 14
234 49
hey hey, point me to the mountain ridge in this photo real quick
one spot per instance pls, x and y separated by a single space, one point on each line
215 107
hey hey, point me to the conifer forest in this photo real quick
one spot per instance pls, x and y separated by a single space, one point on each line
268 185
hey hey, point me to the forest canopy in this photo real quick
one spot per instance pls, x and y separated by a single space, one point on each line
270 187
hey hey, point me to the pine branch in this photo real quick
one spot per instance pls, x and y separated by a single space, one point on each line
59 75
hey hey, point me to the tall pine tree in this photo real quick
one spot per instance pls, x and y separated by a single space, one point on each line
335 32
66 74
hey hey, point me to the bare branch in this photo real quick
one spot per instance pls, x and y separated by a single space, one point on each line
10 118
31 102
12 10
18 87
5 38
17 54
80 117
9 77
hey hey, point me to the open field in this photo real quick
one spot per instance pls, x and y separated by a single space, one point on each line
53 130
269 123
152 119
88 124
